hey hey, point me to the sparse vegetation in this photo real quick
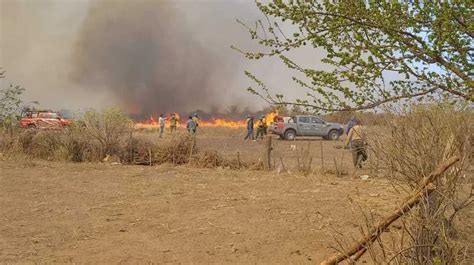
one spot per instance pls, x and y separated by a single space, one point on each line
412 142
419 140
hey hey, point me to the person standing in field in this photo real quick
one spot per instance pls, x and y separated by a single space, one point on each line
357 140
350 124
161 122
265 126
260 128
249 128
196 121
173 123
191 126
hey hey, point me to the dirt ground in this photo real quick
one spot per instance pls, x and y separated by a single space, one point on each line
56 212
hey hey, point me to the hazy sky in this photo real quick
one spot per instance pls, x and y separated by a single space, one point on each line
74 53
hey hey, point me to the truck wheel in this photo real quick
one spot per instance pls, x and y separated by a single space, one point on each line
31 126
333 135
290 135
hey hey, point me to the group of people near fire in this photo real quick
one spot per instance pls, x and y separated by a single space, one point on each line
355 139
191 124
261 125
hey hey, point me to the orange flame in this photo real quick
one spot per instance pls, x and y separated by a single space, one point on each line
217 122
223 123
270 117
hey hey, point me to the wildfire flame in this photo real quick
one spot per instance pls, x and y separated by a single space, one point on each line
152 123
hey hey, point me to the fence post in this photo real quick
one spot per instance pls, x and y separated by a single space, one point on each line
132 159
149 153
238 159
267 153
322 154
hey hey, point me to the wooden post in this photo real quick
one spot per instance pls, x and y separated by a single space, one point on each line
308 156
274 160
309 165
267 153
298 159
238 160
131 148
283 165
337 168
342 157
149 154
322 153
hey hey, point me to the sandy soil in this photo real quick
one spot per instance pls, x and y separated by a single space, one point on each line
54 212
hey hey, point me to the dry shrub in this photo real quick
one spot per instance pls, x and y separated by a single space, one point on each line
212 159
25 140
207 159
176 151
417 141
77 144
142 150
107 128
79 147
136 150
44 144
10 146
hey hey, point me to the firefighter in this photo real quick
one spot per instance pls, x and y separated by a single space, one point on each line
260 128
265 126
357 141
161 122
195 120
173 122
249 128
191 126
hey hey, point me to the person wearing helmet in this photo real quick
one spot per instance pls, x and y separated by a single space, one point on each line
173 122
161 122
191 126
358 144
260 128
195 120
265 126
249 128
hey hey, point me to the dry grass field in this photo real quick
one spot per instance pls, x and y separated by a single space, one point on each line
58 212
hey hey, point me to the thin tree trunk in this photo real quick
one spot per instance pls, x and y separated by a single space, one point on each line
425 187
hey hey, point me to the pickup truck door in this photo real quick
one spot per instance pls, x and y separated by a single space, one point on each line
318 127
47 120
304 126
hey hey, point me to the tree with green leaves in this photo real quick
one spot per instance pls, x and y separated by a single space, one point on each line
10 102
375 52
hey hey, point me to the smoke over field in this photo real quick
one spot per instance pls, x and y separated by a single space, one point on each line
146 56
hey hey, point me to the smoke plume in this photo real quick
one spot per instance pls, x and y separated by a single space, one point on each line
146 56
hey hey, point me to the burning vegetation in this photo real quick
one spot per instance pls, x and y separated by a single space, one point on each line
152 121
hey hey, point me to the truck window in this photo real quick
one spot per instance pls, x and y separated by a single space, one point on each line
316 120
303 119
